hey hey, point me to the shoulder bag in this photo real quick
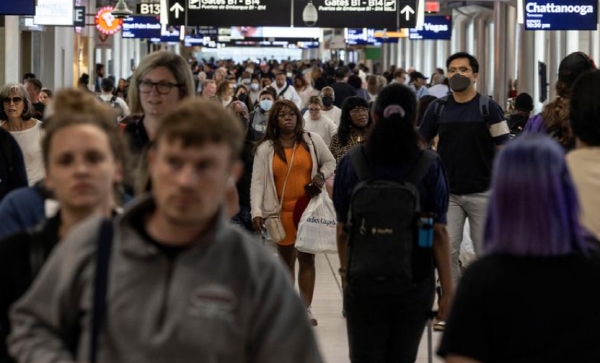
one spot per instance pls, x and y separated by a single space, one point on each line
273 223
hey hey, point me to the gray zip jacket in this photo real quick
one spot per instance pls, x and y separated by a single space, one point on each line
225 299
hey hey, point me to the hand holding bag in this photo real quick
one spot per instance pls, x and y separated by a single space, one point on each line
273 223
318 227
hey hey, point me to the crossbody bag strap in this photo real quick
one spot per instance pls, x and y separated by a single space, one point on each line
286 178
103 252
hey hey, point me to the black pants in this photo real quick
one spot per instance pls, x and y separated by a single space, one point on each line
387 329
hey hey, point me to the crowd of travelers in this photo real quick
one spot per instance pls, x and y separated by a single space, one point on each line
134 214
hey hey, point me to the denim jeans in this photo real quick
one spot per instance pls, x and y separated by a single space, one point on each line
461 207
387 329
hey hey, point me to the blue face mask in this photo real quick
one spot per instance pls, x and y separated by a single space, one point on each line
266 104
254 86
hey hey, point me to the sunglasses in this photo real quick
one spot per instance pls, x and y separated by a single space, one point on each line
15 100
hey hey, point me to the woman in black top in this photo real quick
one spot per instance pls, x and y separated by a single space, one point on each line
83 154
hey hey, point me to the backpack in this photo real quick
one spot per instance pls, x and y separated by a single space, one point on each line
7 150
114 104
484 107
383 225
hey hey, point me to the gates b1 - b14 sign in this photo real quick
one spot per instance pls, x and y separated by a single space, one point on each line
561 14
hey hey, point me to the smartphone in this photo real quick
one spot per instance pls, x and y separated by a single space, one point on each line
312 189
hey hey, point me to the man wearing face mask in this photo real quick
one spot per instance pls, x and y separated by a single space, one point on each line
260 115
329 110
470 127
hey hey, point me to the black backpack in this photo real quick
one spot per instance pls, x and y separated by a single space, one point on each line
383 228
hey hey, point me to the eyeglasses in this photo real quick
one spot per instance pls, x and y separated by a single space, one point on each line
461 70
162 88
359 110
15 100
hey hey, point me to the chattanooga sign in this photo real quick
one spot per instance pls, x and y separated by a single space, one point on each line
561 15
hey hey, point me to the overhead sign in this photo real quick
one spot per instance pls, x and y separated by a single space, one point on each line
361 36
435 28
170 34
177 12
79 16
351 13
141 27
106 23
561 14
408 14
17 7
54 12
223 13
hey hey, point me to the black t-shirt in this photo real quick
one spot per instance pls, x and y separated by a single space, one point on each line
467 144
39 110
518 309
342 91
139 224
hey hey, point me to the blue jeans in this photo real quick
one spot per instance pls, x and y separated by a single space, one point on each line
387 329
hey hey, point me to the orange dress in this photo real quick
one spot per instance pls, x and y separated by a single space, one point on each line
300 175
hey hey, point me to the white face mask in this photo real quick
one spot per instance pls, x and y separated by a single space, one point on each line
254 86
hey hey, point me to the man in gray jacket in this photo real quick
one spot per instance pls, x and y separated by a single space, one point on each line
183 285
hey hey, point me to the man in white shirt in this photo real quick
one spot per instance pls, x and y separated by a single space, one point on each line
439 89
330 111
284 90
314 121
107 87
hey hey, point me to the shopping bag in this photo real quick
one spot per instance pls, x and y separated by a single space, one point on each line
317 227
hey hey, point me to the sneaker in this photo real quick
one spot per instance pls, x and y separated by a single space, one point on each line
312 320
439 326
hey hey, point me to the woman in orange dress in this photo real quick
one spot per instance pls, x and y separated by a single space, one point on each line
287 149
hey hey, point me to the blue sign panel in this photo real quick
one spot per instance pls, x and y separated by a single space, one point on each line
561 14
17 7
141 27
361 36
434 28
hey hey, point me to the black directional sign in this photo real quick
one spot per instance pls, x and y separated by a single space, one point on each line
239 12
177 12
351 13
407 11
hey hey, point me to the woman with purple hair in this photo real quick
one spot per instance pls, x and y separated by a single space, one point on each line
525 300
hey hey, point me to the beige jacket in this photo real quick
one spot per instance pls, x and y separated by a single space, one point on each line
263 194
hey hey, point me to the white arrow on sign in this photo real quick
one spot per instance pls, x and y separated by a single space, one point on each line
408 11
177 8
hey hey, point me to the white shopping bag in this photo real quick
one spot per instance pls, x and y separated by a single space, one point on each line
317 227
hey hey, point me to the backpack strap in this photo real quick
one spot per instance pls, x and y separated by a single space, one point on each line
113 99
421 168
103 252
359 161
484 108
283 90
438 107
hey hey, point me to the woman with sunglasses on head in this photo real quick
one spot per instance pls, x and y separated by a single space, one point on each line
288 163
354 126
161 81
83 153
16 117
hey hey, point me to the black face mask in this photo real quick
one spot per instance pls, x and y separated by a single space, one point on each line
327 101
242 97
459 83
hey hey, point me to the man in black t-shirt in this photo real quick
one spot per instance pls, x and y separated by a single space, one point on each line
341 88
467 144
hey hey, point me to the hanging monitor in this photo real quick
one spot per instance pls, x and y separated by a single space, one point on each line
17 7
561 14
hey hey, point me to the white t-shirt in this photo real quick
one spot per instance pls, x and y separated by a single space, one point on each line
30 142
118 101
324 127
306 94
334 114
439 90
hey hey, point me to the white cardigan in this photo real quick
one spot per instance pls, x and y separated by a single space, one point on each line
263 194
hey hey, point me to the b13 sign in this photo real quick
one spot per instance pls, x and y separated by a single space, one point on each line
561 14
434 28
